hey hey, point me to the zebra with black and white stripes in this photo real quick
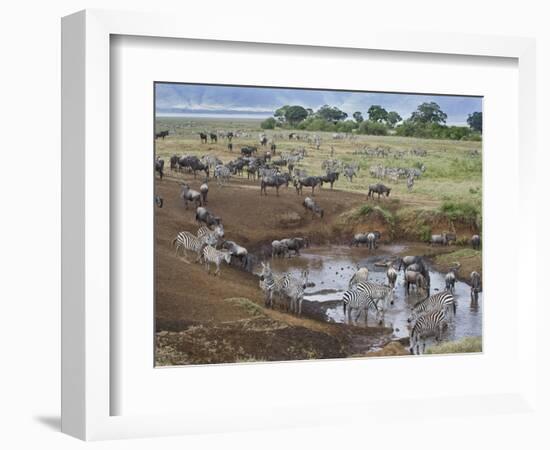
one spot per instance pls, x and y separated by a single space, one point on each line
272 284
294 288
360 301
211 237
443 300
188 241
380 293
432 323
222 174
211 255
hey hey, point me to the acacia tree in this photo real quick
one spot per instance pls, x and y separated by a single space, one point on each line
377 114
358 116
393 118
295 114
475 121
331 113
429 113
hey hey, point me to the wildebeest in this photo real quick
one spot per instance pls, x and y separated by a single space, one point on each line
204 216
194 164
299 183
274 181
439 239
174 162
204 138
237 251
475 285
159 167
159 201
248 150
279 249
263 141
162 134
416 278
391 274
360 275
330 177
363 238
213 138
190 195
476 242
450 278
311 205
204 192
273 148
230 146
295 244
379 189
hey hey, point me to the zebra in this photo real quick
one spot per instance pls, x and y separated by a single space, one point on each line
222 173
429 324
379 292
371 241
350 172
360 300
211 255
443 300
211 236
294 290
391 273
410 183
188 241
272 284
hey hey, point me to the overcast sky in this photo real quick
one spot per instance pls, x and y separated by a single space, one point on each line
191 99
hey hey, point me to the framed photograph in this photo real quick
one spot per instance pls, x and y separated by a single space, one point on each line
332 215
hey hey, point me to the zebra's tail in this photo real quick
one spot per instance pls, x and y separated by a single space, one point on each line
174 241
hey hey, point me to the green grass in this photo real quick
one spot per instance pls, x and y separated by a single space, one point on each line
464 345
252 308
451 186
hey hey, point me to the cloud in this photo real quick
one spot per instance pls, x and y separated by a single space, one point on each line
264 101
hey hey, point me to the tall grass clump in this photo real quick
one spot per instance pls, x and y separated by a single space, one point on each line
465 345
462 211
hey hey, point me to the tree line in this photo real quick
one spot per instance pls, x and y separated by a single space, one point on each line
427 121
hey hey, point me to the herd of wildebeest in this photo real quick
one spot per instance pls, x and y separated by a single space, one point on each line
273 169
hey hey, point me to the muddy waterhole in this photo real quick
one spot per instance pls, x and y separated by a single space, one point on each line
331 268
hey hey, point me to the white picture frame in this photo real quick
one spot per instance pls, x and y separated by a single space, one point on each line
87 386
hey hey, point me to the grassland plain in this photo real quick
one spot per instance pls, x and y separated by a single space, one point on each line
206 319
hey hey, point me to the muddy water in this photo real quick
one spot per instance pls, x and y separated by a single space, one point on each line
330 269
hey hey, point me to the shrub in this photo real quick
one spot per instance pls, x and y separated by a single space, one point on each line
373 128
268 124
464 345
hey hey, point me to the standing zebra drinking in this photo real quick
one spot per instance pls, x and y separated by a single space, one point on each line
444 301
432 323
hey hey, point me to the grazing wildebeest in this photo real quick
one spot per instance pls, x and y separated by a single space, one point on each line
159 201
439 239
204 138
279 249
230 146
204 192
263 141
274 181
299 183
311 205
476 242
204 216
330 177
273 148
248 150
237 251
159 166
190 195
162 134
213 138
174 162
416 278
379 189
295 244
475 286
194 164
